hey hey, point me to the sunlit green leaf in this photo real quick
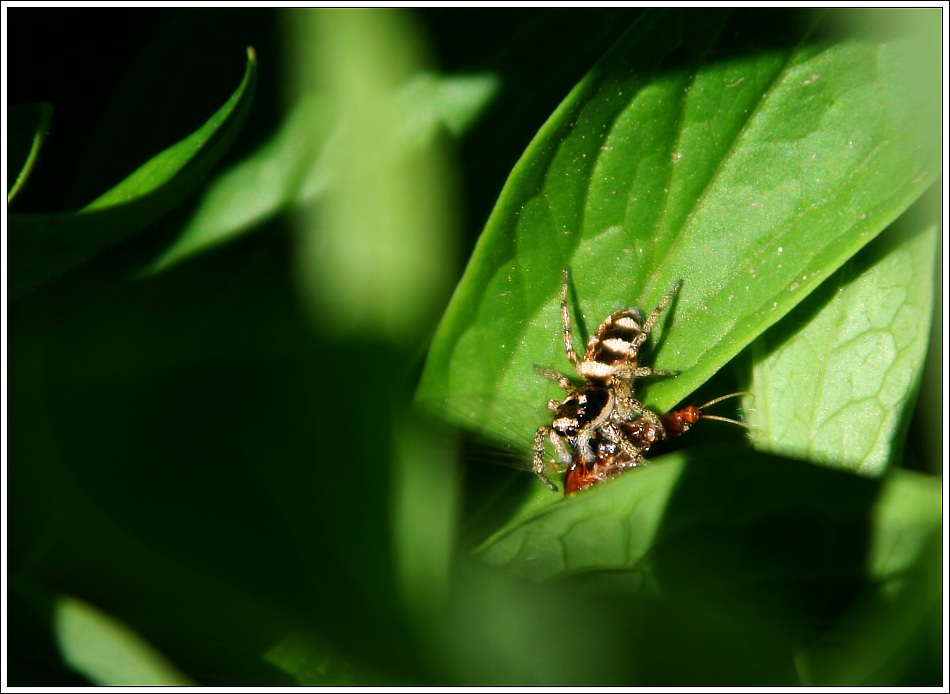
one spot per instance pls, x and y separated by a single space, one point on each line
194 464
834 385
164 167
751 172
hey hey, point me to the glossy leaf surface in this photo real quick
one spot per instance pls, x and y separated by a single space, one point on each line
751 175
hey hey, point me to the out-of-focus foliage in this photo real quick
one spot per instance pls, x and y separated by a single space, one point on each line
44 246
27 125
223 291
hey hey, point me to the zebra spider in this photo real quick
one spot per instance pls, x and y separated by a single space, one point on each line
641 433
595 410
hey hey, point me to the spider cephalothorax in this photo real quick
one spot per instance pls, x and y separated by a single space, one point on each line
597 408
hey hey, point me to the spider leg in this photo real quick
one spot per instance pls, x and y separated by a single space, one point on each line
634 453
563 452
557 377
630 372
655 313
624 402
629 406
654 317
566 323
542 433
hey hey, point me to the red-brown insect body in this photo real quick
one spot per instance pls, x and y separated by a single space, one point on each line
612 457
578 476
582 474
678 422
643 433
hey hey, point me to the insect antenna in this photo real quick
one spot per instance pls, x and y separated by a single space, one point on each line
719 418
678 422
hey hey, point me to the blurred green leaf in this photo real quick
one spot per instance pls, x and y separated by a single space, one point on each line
424 508
26 129
310 662
429 103
44 246
835 384
294 166
736 151
109 652
255 190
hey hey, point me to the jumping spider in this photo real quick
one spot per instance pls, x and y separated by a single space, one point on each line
596 409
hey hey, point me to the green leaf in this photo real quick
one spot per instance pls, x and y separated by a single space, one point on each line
907 560
823 566
26 129
294 167
256 189
736 151
166 166
107 651
44 246
834 383
661 516
181 73
429 103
